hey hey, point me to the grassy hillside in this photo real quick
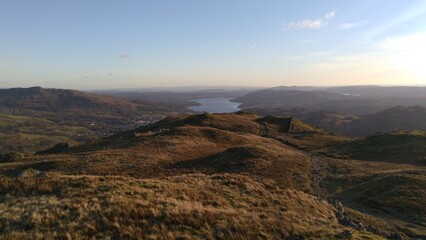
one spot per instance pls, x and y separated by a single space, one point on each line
200 176
302 135
395 118
391 119
35 118
398 147
186 207
60 100
395 192
191 144
29 134
204 176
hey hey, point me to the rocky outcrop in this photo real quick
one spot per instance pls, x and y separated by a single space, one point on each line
60 147
395 236
344 219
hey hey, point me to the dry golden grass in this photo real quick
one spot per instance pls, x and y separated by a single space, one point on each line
395 192
186 149
204 176
188 206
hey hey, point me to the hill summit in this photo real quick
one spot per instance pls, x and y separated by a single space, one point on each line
61 100
210 176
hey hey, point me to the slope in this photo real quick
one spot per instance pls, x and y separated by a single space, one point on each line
34 118
202 176
397 147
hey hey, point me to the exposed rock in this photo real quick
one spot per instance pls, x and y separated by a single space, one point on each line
372 229
31 173
344 218
263 129
347 221
361 227
340 210
395 236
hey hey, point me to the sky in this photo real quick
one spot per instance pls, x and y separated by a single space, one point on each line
108 44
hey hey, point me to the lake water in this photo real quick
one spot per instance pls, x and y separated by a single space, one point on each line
215 105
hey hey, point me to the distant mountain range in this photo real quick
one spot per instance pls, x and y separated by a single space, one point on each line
16 100
359 100
355 111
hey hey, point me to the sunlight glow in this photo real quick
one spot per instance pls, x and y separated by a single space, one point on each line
408 54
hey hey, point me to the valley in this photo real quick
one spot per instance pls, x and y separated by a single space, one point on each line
33 119
205 120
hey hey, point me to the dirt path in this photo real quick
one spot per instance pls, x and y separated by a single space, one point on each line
318 170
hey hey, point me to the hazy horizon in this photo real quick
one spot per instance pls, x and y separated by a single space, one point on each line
207 87
115 45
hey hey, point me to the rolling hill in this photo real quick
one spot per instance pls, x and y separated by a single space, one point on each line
22 100
333 99
395 118
34 118
205 176
273 98
201 176
398 147
409 118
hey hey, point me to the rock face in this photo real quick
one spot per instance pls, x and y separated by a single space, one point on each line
345 219
395 236
11 157
263 129
60 147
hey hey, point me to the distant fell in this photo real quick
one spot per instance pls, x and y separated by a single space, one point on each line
61 100
395 118
360 100
35 118
408 147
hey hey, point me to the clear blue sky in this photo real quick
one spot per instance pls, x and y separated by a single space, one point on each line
122 44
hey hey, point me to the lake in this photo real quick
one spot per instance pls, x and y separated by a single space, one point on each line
215 105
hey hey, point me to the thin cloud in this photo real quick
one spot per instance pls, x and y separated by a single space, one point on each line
253 46
330 15
311 23
124 56
346 26
307 24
